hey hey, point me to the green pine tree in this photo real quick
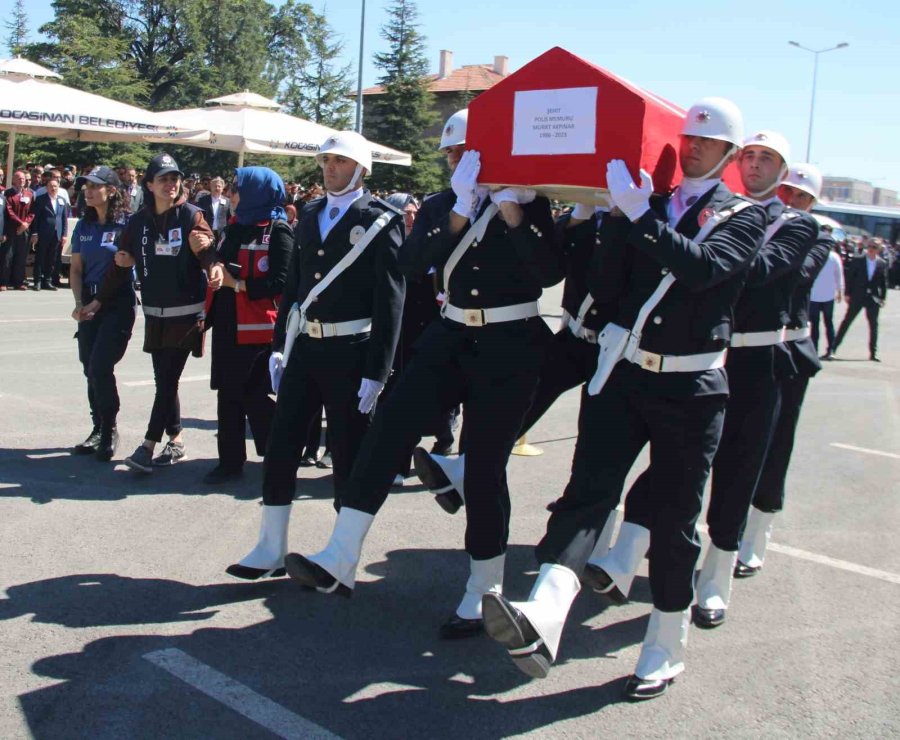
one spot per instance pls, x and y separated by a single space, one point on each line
17 26
398 117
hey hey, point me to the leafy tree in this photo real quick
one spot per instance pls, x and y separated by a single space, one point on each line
17 26
398 117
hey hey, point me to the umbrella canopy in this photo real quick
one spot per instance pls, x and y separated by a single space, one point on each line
25 68
245 99
245 128
43 108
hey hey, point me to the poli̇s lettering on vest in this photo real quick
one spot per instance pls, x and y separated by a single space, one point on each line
554 124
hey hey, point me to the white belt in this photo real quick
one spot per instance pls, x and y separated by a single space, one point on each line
758 338
320 330
588 335
655 363
792 335
482 316
164 313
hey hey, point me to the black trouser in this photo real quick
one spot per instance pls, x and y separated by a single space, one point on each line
319 371
770 491
826 309
853 310
101 344
45 261
613 428
493 372
165 416
243 397
13 254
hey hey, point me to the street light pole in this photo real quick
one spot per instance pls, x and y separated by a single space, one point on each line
362 35
812 102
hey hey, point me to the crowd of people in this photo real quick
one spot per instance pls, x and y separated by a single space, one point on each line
686 324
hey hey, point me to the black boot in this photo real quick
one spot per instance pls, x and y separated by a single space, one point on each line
89 446
109 441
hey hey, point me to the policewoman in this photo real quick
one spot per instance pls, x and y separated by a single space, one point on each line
241 307
168 241
335 336
102 336
495 252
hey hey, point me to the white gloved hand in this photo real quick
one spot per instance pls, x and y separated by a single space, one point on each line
369 390
276 369
582 212
632 200
513 195
465 182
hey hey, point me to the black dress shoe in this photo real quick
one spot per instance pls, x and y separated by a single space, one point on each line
48 286
638 689
221 474
554 505
457 628
441 449
874 358
89 446
314 575
745 571
307 462
434 478
247 573
827 356
109 441
708 618
510 627
600 581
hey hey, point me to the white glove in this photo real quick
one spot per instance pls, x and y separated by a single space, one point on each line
369 390
582 212
465 182
513 195
276 369
632 200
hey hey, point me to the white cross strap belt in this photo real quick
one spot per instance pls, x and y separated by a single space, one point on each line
323 330
588 335
482 316
655 363
173 311
792 335
758 338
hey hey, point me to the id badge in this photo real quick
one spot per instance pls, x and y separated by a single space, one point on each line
164 249
26 199
175 237
108 239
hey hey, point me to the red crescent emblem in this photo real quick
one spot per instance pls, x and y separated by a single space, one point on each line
704 216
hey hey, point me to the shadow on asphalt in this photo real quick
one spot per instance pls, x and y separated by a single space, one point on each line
371 666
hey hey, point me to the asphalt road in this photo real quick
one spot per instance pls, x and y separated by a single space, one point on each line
117 619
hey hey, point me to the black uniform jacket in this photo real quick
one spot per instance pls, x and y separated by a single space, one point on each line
803 351
578 244
859 287
372 287
695 315
508 266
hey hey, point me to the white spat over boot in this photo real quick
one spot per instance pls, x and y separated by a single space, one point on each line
752 552
444 476
485 576
267 558
714 587
613 574
604 541
662 654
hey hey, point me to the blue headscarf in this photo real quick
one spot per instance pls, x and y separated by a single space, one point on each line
262 193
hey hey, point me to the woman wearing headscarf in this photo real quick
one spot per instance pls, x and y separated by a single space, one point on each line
245 285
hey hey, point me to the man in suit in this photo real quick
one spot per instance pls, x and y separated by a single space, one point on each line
14 251
866 289
214 205
48 232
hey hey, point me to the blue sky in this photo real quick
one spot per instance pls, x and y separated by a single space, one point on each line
737 50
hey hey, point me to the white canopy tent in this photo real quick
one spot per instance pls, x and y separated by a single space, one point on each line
40 107
247 122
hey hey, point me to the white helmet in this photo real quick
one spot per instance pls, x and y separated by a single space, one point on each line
771 140
454 132
715 118
348 144
805 177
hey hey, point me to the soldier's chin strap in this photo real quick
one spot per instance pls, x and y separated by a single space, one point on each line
718 164
350 185
772 188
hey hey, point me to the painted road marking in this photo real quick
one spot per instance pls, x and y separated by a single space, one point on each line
36 321
835 563
233 694
139 383
866 450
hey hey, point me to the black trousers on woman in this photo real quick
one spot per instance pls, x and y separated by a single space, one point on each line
165 416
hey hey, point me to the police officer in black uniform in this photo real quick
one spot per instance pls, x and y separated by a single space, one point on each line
799 189
495 252
333 344
673 270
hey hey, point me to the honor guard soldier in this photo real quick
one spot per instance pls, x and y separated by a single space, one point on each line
495 253
672 270
757 361
570 361
799 189
335 335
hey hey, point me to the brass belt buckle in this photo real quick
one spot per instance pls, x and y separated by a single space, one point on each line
652 362
314 329
473 317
